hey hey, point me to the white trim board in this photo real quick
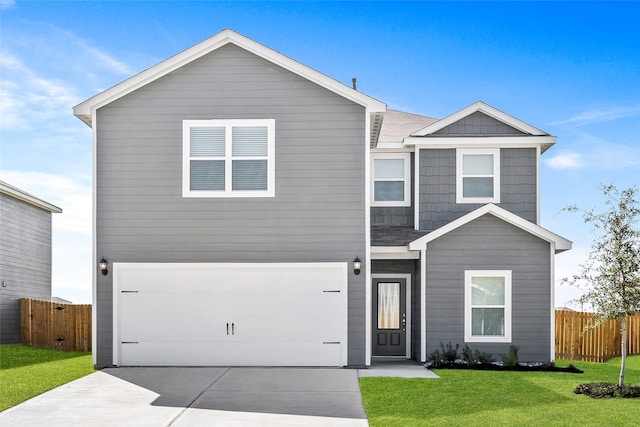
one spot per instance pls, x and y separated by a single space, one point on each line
484 108
560 242
84 110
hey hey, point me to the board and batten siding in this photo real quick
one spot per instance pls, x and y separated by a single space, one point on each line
317 214
438 204
489 243
25 261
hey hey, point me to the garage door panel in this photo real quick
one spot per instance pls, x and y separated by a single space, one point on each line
194 328
279 314
231 354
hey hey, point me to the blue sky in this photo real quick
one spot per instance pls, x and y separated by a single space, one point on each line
569 68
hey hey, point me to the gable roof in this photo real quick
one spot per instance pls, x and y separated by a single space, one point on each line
561 244
525 133
84 110
22 195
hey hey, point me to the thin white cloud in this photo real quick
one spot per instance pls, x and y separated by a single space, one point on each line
7 4
601 115
103 60
27 98
565 161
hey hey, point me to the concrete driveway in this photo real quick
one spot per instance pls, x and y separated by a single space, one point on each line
198 397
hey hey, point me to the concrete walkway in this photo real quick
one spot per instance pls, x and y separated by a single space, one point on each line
198 397
180 397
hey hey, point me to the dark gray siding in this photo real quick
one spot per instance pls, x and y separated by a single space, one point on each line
478 124
489 243
438 186
395 215
317 215
412 267
25 261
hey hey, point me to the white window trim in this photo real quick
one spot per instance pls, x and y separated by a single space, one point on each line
406 157
468 337
496 175
228 192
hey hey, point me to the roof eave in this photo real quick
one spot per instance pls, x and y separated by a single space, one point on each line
84 110
561 244
19 194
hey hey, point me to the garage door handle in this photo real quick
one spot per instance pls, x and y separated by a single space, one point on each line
227 328
233 329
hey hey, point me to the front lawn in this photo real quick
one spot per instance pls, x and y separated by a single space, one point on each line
489 398
26 372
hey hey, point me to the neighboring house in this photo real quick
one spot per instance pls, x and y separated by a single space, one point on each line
25 255
235 188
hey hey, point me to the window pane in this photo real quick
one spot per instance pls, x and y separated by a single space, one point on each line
477 187
389 191
207 174
249 175
388 305
477 164
487 322
388 168
249 141
487 290
207 141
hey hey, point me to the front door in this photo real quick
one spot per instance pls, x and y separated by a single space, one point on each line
389 317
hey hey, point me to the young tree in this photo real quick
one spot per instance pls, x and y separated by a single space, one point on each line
611 273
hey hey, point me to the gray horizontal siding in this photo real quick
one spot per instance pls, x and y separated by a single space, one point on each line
490 244
317 214
478 124
25 261
438 204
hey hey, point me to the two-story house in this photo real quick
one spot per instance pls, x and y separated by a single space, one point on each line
250 210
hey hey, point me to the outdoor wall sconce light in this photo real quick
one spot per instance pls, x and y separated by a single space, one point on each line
104 266
357 265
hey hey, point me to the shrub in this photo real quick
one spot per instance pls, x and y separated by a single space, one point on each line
483 358
511 360
449 353
468 356
601 390
434 360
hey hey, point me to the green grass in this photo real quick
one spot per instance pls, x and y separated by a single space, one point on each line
490 398
26 372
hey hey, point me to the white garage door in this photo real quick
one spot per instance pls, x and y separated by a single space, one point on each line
230 314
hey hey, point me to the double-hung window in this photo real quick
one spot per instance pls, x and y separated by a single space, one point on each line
391 176
478 175
487 316
228 158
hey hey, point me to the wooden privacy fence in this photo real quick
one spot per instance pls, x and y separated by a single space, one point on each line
599 344
52 325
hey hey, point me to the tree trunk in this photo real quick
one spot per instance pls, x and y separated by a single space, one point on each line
623 363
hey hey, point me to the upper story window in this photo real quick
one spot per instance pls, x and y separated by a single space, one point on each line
487 314
478 175
228 158
391 176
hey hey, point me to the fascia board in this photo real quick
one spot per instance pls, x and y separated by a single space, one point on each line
84 109
23 196
435 142
483 108
560 242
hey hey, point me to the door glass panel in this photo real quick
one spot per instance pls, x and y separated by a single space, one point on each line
389 305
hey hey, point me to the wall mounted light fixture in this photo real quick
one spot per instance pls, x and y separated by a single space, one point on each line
104 266
357 265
